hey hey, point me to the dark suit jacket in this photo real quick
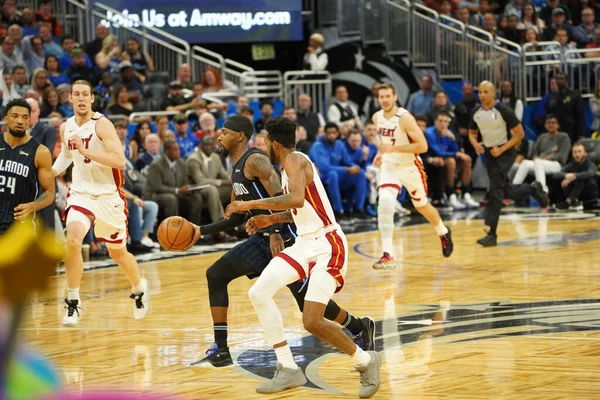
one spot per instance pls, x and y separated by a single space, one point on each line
45 134
161 179
144 159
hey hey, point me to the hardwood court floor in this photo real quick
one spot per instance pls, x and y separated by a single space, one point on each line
518 321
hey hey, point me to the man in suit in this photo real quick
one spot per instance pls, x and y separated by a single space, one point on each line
205 168
168 185
46 135
152 146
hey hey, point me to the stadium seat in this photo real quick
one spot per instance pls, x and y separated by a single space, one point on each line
158 77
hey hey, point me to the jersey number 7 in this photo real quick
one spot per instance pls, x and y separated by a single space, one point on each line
8 182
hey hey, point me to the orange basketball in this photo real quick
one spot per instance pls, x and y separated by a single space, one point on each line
175 234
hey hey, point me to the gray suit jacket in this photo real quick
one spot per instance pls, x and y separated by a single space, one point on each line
161 179
213 175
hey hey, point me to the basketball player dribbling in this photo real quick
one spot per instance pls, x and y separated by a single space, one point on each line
90 142
320 253
401 143
254 178
25 168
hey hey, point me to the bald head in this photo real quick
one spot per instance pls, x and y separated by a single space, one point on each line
35 111
487 94
487 85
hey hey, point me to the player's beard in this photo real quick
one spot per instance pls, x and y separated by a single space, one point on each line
272 156
222 151
17 134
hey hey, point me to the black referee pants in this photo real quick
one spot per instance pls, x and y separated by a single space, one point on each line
497 168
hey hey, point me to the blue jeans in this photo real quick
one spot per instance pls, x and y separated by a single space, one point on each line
353 188
136 214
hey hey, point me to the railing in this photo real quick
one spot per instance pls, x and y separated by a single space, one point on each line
168 51
348 11
135 115
538 63
370 17
328 12
581 69
397 27
262 84
453 54
317 84
510 58
203 58
233 71
481 62
425 34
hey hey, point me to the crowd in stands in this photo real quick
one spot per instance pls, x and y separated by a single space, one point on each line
172 163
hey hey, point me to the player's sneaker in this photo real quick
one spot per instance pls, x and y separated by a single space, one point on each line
215 358
73 313
540 195
369 376
447 244
469 202
488 241
366 338
284 378
385 262
141 305
576 206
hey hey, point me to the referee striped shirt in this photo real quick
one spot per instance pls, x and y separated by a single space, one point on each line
494 123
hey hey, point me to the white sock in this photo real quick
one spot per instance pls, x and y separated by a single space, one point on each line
74 294
387 245
285 357
137 289
441 229
361 358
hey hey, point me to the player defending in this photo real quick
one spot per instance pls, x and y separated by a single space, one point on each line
255 178
90 142
320 251
25 167
398 157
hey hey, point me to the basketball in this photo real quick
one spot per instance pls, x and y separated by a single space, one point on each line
175 234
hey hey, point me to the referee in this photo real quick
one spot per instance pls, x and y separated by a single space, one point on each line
495 120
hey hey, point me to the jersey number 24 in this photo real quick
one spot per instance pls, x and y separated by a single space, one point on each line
9 183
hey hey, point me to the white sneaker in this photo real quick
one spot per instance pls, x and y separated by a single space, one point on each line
401 211
141 304
469 202
454 203
73 313
149 242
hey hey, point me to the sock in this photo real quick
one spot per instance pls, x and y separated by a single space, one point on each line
441 229
137 289
449 191
388 246
285 357
221 334
352 323
466 189
361 358
74 294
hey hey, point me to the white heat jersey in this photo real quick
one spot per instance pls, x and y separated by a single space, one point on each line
90 177
317 212
391 133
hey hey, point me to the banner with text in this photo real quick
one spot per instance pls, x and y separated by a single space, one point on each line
212 21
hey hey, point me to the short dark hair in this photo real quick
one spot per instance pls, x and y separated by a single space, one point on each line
443 114
247 110
421 117
82 82
169 143
18 103
331 125
288 108
552 116
282 131
266 103
580 143
66 37
121 124
353 131
18 67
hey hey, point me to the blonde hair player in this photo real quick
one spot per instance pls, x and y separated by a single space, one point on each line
401 143
90 142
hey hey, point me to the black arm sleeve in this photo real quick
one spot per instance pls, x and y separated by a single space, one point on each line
508 115
223 224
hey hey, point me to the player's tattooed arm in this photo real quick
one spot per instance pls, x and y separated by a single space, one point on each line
43 163
295 169
263 221
259 166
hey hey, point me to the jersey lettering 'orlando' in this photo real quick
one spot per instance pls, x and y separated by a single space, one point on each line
15 167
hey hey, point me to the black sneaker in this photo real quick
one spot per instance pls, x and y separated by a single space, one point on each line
215 358
488 241
366 338
563 205
361 216
540 196
576 206
447 244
